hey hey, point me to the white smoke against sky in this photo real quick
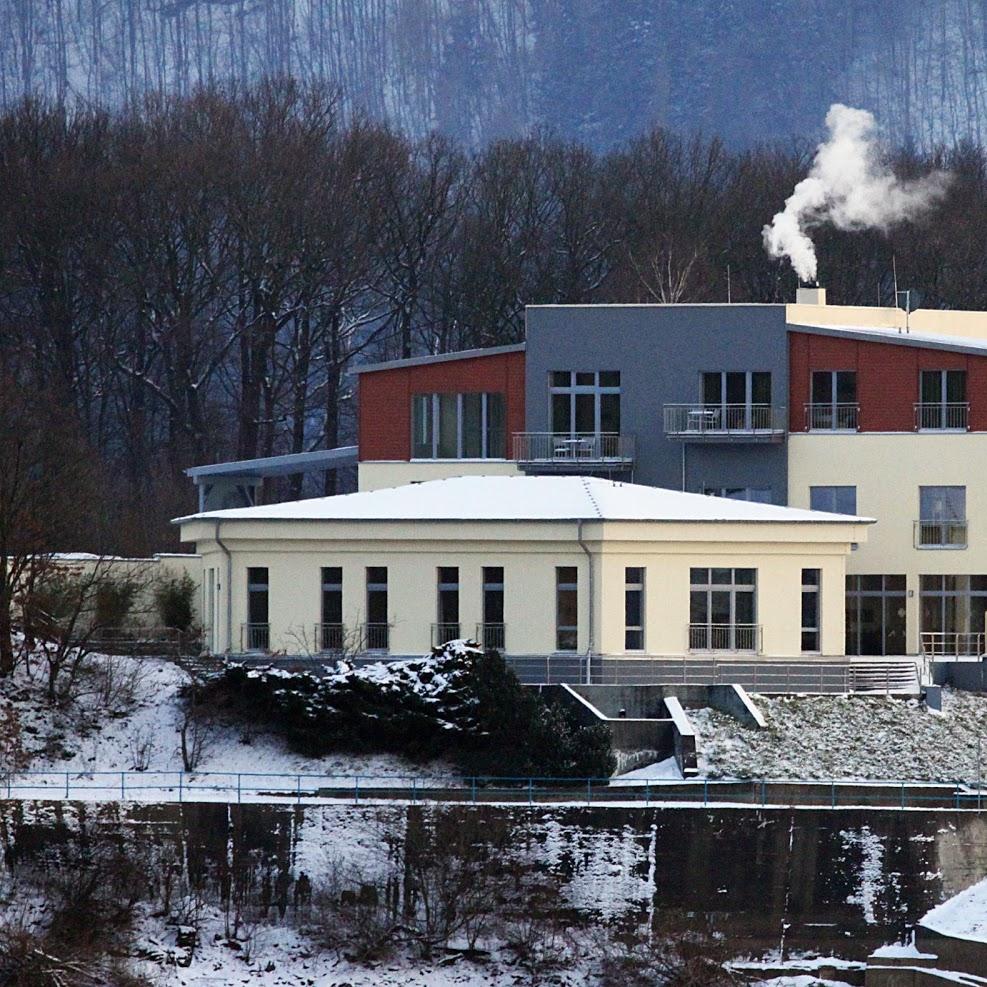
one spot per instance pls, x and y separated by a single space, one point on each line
850 186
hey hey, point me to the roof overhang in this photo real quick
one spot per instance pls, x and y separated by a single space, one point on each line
288 465
421 361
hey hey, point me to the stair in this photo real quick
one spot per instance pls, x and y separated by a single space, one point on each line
884 676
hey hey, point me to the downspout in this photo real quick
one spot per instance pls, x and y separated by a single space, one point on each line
591 630
229 590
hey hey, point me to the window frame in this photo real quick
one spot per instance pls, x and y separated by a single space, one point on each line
566 587
573 389
426 417
811 589
835 489
635 587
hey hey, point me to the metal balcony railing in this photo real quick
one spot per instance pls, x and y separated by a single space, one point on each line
330 637
936 533
255 637
492 637
841 417
700 420
442 632
582 448
375 637
951 644
725 637
951 417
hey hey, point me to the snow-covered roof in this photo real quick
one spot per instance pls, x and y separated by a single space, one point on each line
933 340
524 498
963 916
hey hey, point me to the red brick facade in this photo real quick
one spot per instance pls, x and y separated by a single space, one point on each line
887 378
384 424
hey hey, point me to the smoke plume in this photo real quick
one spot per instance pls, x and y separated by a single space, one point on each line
849 186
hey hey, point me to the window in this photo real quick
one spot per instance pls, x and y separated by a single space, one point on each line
875 615
723 609
457 426
741 399
810 609
585 402
835 500
566 608
331 629
258 628
377 630
942 399
834 400
447 626
757 495
952 604
942 518
634 608
492 631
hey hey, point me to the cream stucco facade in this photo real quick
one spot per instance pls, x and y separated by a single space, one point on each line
887 470
294 551
394 473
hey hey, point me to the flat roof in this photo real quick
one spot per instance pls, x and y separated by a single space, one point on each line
525 498
298 462
418 361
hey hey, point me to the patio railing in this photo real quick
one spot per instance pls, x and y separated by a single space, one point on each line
936 533
952 644
255 637
838 417
579 448
725 637
699 420
950 417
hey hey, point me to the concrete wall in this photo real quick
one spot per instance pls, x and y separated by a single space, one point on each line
968 675
660 351
887 470
529 553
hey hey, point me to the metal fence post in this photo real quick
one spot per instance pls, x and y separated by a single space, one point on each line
832 794
647 793
298 788
473 787
414 790
589 790
356 789
238 787
705 791
123 784
764 797
181 778
903 795
66 784
529 791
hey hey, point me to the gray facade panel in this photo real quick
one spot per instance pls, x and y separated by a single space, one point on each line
661 351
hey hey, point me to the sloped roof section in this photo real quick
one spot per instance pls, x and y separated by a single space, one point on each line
525 498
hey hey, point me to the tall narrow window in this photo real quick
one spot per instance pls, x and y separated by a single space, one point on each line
447 625
834 400
810 609
585 402
566 608
377 629
331 629
258 629
634 608
942 400
942 520
493 632
875 615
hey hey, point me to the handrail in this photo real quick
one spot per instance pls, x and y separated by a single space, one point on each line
840 416
375 636
330 637
951 644
703 418
578 447
948 416
443 632
941 533
255 637
725 637
492 636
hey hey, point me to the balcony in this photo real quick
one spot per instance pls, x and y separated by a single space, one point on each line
443 632
744 638
255 637
554 451
840 417
725 422
936 533
492 637
375 637
949 417
330 637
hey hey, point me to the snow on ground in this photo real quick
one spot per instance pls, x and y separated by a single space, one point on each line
963 916
846 737
667 770
142 734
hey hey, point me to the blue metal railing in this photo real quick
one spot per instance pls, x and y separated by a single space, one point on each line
180 786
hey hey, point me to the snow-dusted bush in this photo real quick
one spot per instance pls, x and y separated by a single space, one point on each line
458 702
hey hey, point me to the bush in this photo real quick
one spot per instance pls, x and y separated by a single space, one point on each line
174 600
458 702
114 601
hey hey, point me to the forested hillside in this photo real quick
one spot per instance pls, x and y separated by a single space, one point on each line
192 279
597 70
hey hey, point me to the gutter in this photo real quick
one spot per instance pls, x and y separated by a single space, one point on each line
592 627
229 590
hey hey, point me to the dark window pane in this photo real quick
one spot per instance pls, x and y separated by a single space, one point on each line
496 431
421 426
810 577
609 378
810 640
872 584
712 388
633 574
377 574
698 607
472 426
632 608
568 609
760 387
895 584
610 413
560 378
736 388
744 577
586 413
585 378
930 382
822 387
633 639
721 576
846 387
448 426
955 386
699 577
744 608
566 574
561 412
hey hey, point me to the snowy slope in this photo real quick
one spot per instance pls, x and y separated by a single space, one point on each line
847 737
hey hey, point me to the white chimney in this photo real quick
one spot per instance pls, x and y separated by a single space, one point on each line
810 296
